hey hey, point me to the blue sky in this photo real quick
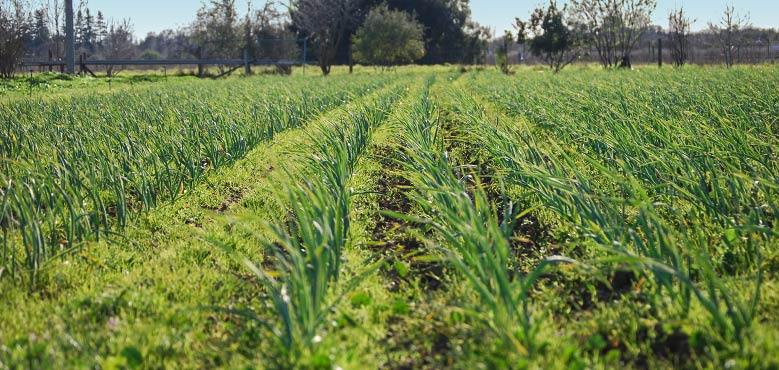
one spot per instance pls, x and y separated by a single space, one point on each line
156 15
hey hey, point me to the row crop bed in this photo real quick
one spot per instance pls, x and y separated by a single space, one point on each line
423 218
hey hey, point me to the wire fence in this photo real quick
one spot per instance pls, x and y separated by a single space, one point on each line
650 53
289 52
222 53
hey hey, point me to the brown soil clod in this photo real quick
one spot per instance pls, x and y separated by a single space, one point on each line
234 197
429 349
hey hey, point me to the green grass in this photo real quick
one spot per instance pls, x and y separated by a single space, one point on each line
422 218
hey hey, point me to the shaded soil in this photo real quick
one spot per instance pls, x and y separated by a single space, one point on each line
428 348
414 340
671 344
407 257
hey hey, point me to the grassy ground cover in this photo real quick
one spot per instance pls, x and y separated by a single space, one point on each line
424 218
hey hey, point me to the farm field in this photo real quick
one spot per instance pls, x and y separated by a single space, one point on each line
425 218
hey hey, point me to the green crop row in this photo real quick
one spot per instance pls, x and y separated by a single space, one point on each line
78 169
304 278
688 206
474 236
587 219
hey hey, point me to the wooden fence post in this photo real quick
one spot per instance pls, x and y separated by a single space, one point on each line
247 67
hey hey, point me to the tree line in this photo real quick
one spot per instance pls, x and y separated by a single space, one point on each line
40 33
328 29
561 35
375 32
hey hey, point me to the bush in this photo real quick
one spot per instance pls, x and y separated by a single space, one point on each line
388 38
151 55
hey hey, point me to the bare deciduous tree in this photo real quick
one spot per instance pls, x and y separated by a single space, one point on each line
615 26
13 30
118 44
55 18
728 32
218 29
267 34
679 36
325 22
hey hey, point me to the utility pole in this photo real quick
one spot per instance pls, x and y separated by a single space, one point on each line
70 53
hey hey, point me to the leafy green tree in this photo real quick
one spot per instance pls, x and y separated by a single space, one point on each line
151 55
101 28
39 30
77 27
88 32
451 36
388 38
551 36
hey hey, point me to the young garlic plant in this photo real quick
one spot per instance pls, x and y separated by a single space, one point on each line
473 237
306 255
